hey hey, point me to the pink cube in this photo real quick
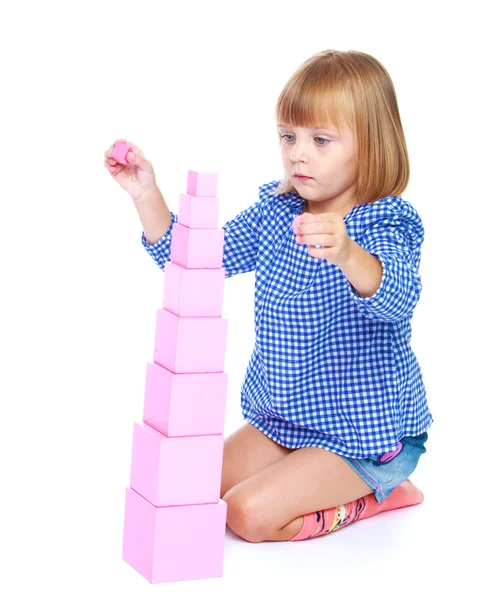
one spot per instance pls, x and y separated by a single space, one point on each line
202 184
170 471
193 292
174 543
119 153
190 344
198 212
197 248
185 404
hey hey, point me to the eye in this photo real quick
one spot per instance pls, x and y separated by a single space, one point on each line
320 140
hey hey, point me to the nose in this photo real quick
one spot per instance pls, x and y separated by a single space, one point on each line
298 152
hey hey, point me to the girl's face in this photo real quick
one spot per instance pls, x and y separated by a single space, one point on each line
326 156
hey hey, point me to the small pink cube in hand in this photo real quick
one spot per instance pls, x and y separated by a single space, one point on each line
119 153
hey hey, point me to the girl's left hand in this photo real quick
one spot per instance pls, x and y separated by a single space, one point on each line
327 230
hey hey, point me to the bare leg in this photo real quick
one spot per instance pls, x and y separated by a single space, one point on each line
270 504
245 452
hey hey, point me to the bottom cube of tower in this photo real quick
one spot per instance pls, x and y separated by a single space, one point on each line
173 543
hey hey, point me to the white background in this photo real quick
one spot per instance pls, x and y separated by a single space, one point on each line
194 85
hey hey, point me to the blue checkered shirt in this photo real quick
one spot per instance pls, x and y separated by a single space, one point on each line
329 368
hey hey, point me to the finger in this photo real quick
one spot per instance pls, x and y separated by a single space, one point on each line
318 252
317 227
109 159
113 169
137 152
322 239
325 217
136 157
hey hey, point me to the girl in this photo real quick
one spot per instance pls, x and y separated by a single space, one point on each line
333 398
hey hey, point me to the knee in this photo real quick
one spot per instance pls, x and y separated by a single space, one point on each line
244 516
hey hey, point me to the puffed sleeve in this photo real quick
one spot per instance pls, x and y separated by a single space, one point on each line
241 242
394 235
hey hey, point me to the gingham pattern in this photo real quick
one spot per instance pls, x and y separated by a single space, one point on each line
329 368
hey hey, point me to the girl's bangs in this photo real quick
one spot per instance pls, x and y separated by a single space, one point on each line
307 106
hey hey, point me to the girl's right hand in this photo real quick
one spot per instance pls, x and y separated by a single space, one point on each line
138 177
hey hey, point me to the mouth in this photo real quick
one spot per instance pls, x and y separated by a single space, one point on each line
300 177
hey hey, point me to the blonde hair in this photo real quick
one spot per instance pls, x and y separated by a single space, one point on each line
335 86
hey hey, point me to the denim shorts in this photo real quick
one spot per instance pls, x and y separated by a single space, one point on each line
385 472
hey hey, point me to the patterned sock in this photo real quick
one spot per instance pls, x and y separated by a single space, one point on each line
331 519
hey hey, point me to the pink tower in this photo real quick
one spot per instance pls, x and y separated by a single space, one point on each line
175 521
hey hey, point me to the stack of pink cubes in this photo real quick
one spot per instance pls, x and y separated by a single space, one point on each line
175 521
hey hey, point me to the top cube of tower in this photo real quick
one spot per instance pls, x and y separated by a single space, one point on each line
202 184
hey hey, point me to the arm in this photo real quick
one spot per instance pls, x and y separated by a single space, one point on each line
241 236
157 222
383 274
154 215
363 271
